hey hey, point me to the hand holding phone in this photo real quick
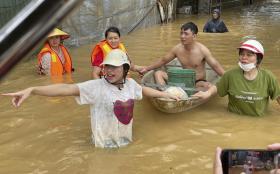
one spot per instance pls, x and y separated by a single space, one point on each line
250 161
218 163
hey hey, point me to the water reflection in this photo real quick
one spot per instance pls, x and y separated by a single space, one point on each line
52 135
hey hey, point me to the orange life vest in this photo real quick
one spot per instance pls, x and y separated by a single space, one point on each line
57 68
105 47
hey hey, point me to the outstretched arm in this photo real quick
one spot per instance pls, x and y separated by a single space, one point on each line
164 60
212 62
50 90
150 92
136 68
206 94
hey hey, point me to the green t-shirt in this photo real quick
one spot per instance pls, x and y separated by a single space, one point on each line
249 97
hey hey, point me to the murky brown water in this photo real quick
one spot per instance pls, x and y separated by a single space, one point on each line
52 135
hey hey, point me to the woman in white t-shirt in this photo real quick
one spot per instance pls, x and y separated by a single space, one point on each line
111 100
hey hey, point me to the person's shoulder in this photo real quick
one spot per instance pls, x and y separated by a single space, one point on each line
93 82
178 46
98 44
130 81
232 72
46 54
222 21
101 41
209 21
122 43
234 69
44 50
266 72
201 46
97 47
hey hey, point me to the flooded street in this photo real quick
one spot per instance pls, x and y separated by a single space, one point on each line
53 135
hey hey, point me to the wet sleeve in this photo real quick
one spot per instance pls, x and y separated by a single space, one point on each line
137 89
98 59
273 87
88 92
46 63
223 85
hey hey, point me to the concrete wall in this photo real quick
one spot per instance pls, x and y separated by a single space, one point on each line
88 23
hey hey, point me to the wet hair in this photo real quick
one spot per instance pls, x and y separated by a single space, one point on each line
259 56
191 26
113 30
125 70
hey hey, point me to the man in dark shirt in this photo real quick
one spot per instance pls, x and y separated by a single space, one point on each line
215 25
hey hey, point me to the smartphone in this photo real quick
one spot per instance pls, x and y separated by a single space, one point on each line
250 161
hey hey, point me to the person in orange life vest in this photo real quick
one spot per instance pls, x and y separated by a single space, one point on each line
100 51
54 59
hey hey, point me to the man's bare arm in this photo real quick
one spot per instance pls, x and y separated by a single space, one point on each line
164 60
212 62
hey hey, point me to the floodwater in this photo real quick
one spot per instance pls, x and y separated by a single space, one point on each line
52 135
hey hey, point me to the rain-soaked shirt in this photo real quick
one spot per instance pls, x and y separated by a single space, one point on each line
249 97
111 110
215 26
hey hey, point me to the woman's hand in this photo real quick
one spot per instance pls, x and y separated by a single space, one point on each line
20 96
170 96
206 94
202 94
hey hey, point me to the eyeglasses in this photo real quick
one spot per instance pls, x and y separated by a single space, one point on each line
248 54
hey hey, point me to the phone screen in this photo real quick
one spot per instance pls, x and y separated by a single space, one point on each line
250 161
